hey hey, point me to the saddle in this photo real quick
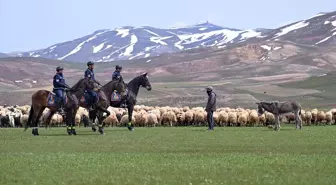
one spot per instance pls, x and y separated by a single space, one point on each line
116 96
53 100
87 99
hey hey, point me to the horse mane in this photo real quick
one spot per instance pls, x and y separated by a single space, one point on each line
78 83
134 79
114 81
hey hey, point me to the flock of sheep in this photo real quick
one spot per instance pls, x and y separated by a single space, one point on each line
145 116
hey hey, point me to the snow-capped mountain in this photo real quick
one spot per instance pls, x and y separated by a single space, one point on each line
3 55
142 42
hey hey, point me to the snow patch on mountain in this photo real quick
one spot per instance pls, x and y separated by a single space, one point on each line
122 32
158 40
79 46
96 49
266 47
292 28
129 49
152 33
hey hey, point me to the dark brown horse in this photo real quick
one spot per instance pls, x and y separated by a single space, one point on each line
279 108
104 95
42 99
133 90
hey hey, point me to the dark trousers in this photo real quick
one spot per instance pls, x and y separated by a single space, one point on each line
60 95
210 119
93 96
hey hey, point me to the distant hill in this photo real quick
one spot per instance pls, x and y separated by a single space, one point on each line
127 43
2 55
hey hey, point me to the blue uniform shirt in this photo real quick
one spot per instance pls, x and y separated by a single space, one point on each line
59 82
116 75
89 74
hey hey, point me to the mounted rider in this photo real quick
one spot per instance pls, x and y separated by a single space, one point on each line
90 74
116 76
59 88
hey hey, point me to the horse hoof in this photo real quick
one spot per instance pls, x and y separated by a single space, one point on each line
74 132
35 132
94 129
130 129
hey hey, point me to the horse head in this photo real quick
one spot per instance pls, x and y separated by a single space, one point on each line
145 82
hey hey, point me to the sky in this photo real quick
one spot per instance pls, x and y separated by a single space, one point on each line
34 24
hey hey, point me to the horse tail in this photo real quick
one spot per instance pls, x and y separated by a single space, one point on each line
31 113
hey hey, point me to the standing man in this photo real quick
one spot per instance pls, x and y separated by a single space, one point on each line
93 95
211 107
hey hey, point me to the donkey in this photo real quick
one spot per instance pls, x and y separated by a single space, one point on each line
278 108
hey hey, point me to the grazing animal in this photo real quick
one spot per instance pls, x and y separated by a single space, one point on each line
279 108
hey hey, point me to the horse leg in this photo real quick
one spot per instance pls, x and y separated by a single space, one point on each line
130 114
37 115
101 118
73 121
68 121
277 124
100 122
298 120
92 118
47 123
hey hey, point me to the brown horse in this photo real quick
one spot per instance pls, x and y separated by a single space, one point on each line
43 98
103 102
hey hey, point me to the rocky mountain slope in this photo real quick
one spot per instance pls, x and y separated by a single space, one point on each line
128 42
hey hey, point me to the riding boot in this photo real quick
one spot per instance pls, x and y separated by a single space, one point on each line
61 108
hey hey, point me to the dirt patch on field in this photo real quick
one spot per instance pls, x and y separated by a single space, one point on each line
286 77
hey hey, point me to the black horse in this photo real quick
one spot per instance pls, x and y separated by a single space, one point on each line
132 92
104 94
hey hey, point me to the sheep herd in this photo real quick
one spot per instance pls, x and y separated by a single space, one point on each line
146 116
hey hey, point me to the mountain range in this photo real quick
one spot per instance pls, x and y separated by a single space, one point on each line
127 43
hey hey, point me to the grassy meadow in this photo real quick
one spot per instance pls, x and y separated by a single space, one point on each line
185 155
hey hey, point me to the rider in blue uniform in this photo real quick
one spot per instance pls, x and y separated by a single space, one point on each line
89 74
59 87
116 76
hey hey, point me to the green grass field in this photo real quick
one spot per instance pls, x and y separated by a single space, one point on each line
170 156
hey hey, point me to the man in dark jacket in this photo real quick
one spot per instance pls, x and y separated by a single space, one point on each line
211 107
59 87
93 95
116 76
